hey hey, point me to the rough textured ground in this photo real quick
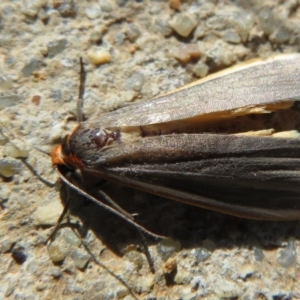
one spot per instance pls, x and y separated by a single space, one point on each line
149 47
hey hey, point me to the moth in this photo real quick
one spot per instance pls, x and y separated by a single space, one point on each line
229 142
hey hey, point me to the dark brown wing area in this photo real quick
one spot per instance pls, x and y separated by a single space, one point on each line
255 177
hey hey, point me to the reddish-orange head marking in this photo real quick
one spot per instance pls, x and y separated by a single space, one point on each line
59 158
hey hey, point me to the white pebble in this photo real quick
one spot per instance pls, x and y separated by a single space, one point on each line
93 12
48 215
98 57
183 24
15 149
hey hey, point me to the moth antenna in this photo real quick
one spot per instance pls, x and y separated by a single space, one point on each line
80 116
36 174
42 151
23 159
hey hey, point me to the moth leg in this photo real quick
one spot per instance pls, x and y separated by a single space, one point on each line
105 197
63 214
93 257
117 207
146 250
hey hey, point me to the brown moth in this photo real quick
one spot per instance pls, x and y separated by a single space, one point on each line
228 143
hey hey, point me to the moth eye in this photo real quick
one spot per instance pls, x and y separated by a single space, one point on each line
100 138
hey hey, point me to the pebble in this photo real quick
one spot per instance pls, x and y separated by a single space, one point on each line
31 7
15 149
146 283
9 167
6 245
246 271
168 247
217 22
266 20
10 289
132 32
200 31
3 140
227 289
243 22
187 294
119 38
106 5
122 3
34 268
56 47
48 214
175 4
183 24
221 54
36 100
95 36
40 286
4 193
150 90
19 255
32 66
80 278
258 254
136 258
201 69
57 131
10 100
127 96
99 56
169 266
197 282
182 277
288 256
71 238
187 52
231 36
134 82
93 12
66 8
281 35
163 26
201 254
5 83
55 252
80 259
56 272
130 297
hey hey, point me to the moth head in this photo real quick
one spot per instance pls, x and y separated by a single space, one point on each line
77 149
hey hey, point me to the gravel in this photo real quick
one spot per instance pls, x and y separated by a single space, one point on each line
131 50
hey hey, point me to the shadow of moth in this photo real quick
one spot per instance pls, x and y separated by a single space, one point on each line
228 143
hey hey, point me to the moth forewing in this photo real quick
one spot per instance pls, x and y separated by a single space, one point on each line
217 143
252 84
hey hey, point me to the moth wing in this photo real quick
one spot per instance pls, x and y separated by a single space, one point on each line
253 177
257 83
